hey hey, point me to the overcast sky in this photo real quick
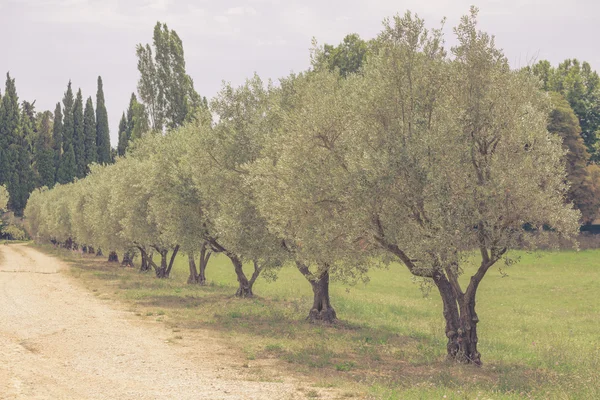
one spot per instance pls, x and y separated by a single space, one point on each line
44 43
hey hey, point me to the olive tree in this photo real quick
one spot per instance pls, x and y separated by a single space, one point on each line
219 157
177 208
33 213
456 157
301 183
129 205
97 215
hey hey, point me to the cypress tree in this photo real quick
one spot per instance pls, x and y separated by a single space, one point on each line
9 127
67 169
89 133
102 132
128 127
123 140
57 139
44 153
29 125
20 175
131 115
78 135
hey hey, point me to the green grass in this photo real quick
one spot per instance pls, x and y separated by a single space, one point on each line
539 326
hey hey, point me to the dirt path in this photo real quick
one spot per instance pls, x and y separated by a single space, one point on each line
58 341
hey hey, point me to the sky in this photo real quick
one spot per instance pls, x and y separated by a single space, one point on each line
46 43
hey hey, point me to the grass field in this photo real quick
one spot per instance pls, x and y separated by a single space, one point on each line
539 326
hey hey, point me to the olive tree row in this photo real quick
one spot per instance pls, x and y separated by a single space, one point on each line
422 157
183 190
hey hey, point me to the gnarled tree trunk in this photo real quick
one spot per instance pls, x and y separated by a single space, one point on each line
321 310
171 261
145 265
244 285
165 268
127 259
204 257
113 257
461 319
198 276
193 277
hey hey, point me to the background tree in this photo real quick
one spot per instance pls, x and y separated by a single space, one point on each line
102 131
9 127
44 153
127 127
89 134
3 198
580 86
29 125
164 86
123 133
347 57
57 132
79 135
15 155
139 126
564 123
67 169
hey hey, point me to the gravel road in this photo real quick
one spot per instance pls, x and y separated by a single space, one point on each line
59 341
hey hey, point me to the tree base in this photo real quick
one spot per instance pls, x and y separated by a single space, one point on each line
326 315
113 257
196 281
244 293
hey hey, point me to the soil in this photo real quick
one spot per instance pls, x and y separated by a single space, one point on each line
60 341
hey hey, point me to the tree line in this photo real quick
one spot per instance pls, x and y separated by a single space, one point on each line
416 154
40 149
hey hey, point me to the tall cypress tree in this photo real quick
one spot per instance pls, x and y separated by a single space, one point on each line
57 130
102 132
89 133
78 135
131 115
127 129
44 153
29 125
67 169
123 140
20 175
9 127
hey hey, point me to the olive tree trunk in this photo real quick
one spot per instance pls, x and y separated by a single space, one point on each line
145 265
198 276
127 259
321 310
460 315
244 284
113 257
193 277
165 267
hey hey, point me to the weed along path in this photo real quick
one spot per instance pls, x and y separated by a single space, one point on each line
59 341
